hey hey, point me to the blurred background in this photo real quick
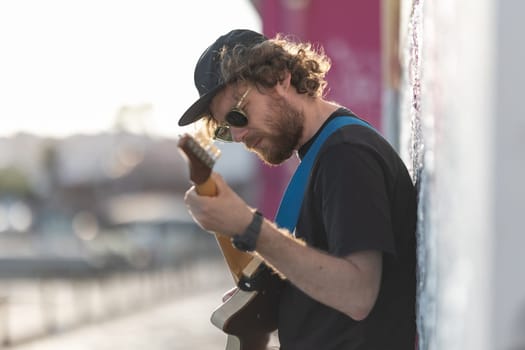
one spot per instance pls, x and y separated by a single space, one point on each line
97 249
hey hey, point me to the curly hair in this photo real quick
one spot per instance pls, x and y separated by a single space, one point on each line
267 63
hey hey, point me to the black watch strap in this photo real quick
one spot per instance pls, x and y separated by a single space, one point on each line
248 239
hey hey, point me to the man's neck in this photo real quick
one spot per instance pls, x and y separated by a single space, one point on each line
315 112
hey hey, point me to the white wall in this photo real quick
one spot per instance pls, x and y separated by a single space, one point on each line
463 131
508 188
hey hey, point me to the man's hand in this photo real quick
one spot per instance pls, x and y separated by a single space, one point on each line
226 213
229 294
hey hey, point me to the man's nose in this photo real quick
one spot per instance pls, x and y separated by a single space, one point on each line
238 134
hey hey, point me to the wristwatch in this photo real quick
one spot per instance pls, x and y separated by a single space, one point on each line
247 240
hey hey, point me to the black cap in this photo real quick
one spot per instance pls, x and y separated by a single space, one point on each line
208 79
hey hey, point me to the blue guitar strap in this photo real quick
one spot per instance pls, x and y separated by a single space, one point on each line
292 200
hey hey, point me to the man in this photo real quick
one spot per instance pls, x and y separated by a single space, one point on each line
350 263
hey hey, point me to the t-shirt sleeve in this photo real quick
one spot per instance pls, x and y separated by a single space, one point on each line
351 185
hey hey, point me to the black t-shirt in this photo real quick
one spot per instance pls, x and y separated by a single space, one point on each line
359 197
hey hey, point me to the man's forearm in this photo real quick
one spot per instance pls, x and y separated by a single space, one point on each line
349 284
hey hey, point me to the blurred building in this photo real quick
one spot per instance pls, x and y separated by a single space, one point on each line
100 196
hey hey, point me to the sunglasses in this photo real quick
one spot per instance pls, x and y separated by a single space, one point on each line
236 118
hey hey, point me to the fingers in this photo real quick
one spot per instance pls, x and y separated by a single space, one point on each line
222 186
190 198
217 177
226 212
189 193
229 294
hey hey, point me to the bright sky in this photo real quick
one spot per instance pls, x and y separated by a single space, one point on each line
68 66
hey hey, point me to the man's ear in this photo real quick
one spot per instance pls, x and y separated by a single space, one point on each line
283 86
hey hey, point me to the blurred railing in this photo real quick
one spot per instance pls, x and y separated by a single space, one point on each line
40 296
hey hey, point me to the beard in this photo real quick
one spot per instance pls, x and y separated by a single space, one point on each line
286 128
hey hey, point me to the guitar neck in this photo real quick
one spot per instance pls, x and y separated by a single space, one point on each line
236 260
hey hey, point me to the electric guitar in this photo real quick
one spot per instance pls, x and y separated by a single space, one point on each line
248 317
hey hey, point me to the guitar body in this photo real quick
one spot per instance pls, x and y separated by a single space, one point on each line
249 317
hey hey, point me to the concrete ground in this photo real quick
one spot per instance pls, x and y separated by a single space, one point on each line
182 323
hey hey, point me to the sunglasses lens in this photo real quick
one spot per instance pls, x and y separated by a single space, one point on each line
236 118
223 133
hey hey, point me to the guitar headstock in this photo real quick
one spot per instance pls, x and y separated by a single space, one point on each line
201 154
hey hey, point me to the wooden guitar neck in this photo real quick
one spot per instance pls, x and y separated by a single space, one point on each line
201 160
249 316
235 259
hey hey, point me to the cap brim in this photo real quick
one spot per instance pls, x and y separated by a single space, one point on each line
200 108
